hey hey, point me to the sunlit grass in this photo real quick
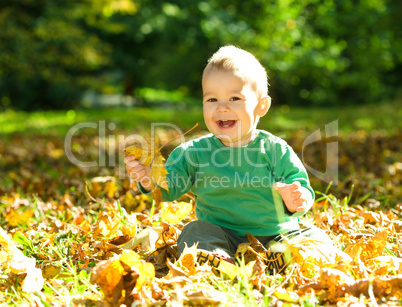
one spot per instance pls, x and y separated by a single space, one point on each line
281 119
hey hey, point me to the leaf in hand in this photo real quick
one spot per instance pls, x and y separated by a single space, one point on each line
149 154
159 172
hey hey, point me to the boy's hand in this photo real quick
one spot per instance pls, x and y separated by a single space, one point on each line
138 172
292 195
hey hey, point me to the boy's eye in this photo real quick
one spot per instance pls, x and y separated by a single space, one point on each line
212 100
234 98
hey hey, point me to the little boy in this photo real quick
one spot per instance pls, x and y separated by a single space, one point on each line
236 171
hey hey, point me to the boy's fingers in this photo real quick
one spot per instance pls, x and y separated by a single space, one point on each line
136 172
301 208
129 158
295 185
299 201
279 186
296 194
132 164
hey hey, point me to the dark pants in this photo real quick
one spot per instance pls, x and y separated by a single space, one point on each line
221 241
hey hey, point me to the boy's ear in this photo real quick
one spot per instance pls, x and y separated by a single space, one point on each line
263 105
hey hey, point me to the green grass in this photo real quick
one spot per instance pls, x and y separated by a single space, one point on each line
281 119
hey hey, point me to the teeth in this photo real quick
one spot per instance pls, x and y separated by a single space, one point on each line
224 123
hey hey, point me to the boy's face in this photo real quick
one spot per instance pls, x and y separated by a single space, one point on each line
231 108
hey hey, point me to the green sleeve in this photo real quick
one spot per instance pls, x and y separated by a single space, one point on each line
288 168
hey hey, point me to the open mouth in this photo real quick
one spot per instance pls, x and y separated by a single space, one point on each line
226 123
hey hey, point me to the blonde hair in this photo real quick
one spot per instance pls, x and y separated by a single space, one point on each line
231 58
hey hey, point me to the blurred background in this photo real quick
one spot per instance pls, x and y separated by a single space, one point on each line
125 64
63 54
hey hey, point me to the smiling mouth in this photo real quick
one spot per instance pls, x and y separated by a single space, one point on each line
226 123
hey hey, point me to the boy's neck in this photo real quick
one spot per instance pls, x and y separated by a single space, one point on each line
240 143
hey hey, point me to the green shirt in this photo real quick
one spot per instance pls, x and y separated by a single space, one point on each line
233 187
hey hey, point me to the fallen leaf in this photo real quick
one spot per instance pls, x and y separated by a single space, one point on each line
188 259
146 238
332 278
205 297
258 275
50 271
15 218
132 261
103 185
381 265
12 258
380 286
369 248
312 255
108 275
174 212
120 275
287 296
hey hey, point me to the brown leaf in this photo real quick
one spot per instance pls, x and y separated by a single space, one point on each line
382 265
255 244
258 275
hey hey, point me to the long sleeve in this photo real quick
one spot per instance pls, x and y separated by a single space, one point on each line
287 169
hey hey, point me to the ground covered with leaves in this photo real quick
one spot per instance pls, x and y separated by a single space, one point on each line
83 236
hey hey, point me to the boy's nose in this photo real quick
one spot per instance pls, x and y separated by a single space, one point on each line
223 107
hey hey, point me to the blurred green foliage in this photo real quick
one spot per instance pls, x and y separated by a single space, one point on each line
317 52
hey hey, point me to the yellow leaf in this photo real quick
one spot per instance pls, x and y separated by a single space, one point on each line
15 218
149 154
384 264
145 153
286 296
175 212
312 255
103 185
108 275
12 258
132 262
159 172
156 194
50 271
110 188
367 249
